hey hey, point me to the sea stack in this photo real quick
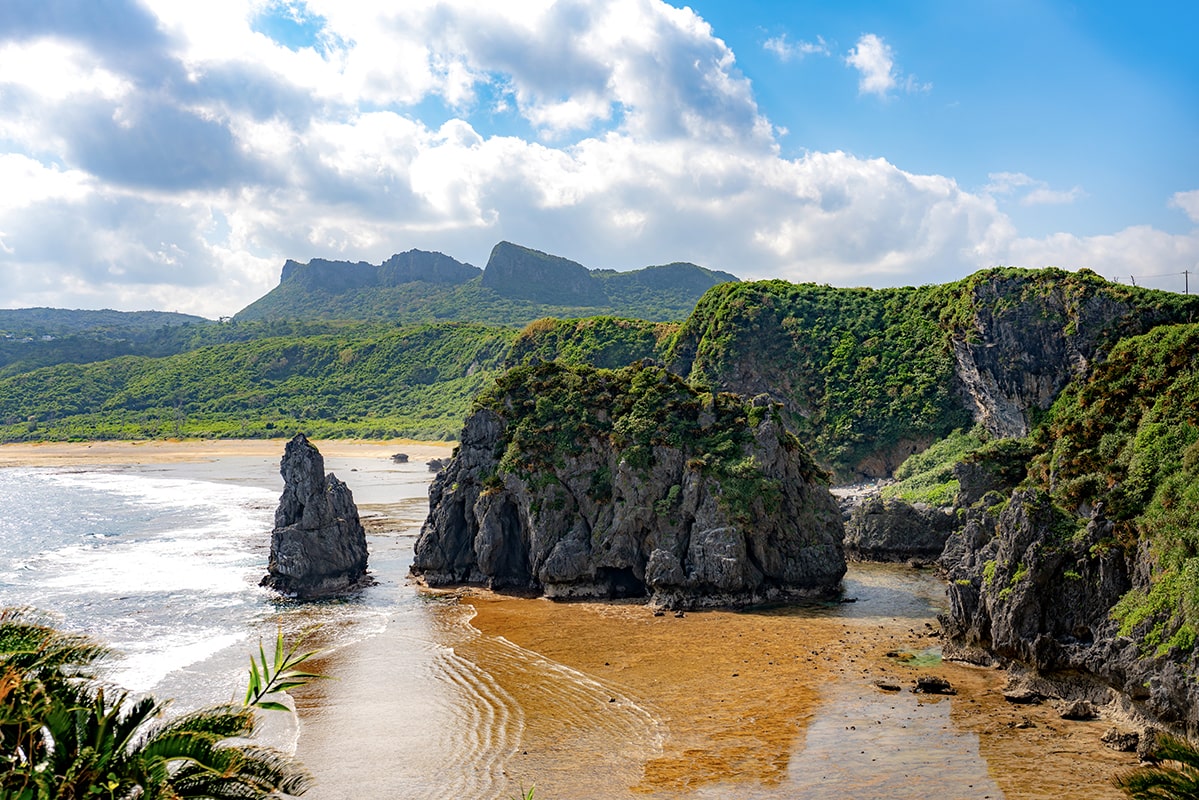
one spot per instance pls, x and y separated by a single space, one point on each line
574 482
318 546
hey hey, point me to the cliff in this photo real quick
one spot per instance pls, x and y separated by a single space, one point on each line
869 376
318 546
518 285
1088 573
577 482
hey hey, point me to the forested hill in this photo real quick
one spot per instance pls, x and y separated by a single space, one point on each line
518 285
19 323
866 376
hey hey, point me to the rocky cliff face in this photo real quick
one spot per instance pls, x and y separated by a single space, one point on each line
869 376
583 483
883 529
1027 585
515 271
318 546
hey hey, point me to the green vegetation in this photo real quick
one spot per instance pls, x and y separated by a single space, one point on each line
865 371
1175 777
927 477
606 342
64 733
1129 438
553 410
422 302
364 382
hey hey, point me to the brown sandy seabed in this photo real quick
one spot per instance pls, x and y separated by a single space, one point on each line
736 691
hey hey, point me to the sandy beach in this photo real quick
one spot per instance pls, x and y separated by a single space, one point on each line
49 454
708 704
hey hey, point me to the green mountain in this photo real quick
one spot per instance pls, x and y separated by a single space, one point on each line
517 286
20 323
364 382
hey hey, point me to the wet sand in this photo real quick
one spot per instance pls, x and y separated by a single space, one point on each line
82 454
608 700
736 693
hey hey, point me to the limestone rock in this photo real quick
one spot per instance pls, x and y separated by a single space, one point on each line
892 530
318 546
586 498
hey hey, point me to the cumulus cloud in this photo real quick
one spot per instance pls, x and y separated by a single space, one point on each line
875 62
175 155
1188 202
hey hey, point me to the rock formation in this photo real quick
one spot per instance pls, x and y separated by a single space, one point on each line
881 529
577 482
318 546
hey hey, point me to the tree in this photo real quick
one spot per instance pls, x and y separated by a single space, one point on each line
66 735
1177 778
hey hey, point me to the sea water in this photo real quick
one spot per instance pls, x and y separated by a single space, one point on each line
163 563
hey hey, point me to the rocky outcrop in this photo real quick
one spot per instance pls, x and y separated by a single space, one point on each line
515 271
1025 588
576 482
888 529
318 546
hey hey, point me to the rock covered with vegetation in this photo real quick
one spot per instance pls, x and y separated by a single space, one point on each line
871 376
578 482
318 546
888 529
1091 566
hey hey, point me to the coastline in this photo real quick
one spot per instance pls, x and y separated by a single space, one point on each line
729 703
166 451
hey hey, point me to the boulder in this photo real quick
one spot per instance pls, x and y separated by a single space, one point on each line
318 546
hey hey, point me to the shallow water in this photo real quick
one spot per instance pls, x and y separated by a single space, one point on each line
585 701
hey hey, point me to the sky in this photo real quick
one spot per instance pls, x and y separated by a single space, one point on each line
160 154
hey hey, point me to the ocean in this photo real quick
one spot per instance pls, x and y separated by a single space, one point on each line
162 562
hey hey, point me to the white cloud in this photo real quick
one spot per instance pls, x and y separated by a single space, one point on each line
1188 202
875 62
187 175
793 51
873 58
1031 191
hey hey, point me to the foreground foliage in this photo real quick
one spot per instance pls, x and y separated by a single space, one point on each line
65 734
1175 778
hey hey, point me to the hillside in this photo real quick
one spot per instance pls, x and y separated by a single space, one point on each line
37 322
870 376
518 285
362 382
1088 572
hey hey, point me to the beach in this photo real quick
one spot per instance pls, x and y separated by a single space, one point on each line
474 694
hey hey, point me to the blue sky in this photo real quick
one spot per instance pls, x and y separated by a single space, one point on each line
159 154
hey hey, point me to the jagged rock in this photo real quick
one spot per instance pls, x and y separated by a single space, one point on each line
437 464
584 497
888 529
318 546
400 458
1023 696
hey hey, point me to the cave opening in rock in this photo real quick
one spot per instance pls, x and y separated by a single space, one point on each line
621 582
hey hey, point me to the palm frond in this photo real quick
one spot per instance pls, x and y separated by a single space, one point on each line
278 674
1175 778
